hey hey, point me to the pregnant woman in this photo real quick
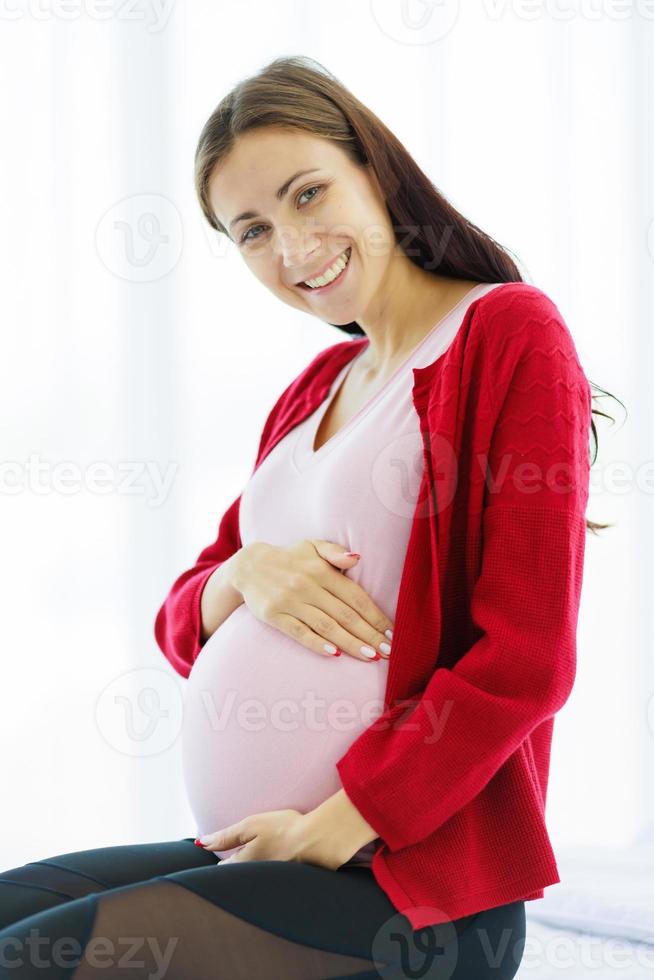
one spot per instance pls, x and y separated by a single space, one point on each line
377 641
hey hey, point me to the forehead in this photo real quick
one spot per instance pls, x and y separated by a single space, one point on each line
260 161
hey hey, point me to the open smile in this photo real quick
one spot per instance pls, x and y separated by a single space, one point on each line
333 283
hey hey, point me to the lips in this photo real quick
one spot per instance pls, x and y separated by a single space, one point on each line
328 265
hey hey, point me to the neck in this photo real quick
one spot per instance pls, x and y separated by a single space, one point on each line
410 304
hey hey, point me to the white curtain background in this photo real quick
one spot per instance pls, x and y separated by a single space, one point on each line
140 358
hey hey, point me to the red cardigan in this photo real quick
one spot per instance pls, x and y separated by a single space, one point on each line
453 775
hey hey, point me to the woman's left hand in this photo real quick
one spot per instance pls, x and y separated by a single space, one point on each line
280 835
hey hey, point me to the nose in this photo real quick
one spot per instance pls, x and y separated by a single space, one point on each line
298 248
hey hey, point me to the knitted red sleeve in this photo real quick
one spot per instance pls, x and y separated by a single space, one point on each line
178 623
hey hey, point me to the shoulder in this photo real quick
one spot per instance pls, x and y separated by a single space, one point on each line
333 356
528 343
322 365
517 319
321 369
316 375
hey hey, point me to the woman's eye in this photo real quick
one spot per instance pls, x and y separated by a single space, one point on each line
248 238
316 187
245 236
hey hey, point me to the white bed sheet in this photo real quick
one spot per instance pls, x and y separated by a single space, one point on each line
605 890
563 954
598 921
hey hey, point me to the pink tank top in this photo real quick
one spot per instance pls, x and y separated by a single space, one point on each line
265 718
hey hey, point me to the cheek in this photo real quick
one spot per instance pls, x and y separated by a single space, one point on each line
269 270
262 268
270 276
373 230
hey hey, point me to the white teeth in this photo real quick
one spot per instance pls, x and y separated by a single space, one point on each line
330 274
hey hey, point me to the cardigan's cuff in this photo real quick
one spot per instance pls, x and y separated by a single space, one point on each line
196 608
367 808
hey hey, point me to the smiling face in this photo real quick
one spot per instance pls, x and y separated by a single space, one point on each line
290 232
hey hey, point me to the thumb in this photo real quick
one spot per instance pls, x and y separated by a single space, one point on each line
335 554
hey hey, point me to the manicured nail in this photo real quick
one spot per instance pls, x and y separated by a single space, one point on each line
385 648
206 839
369 652
198 843
389 634
329 647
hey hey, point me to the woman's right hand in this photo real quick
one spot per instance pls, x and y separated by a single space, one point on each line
301 590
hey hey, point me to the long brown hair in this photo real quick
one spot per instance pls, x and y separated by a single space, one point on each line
298 92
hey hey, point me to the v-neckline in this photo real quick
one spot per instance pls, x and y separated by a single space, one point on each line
332 394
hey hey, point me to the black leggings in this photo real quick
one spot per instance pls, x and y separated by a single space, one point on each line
167 910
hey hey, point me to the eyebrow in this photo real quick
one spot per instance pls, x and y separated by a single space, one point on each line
279 194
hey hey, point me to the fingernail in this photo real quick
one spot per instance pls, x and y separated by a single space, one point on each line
206 838
389 634
198 843
369 652
385 648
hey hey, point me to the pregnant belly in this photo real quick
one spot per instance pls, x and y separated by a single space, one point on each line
266 720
